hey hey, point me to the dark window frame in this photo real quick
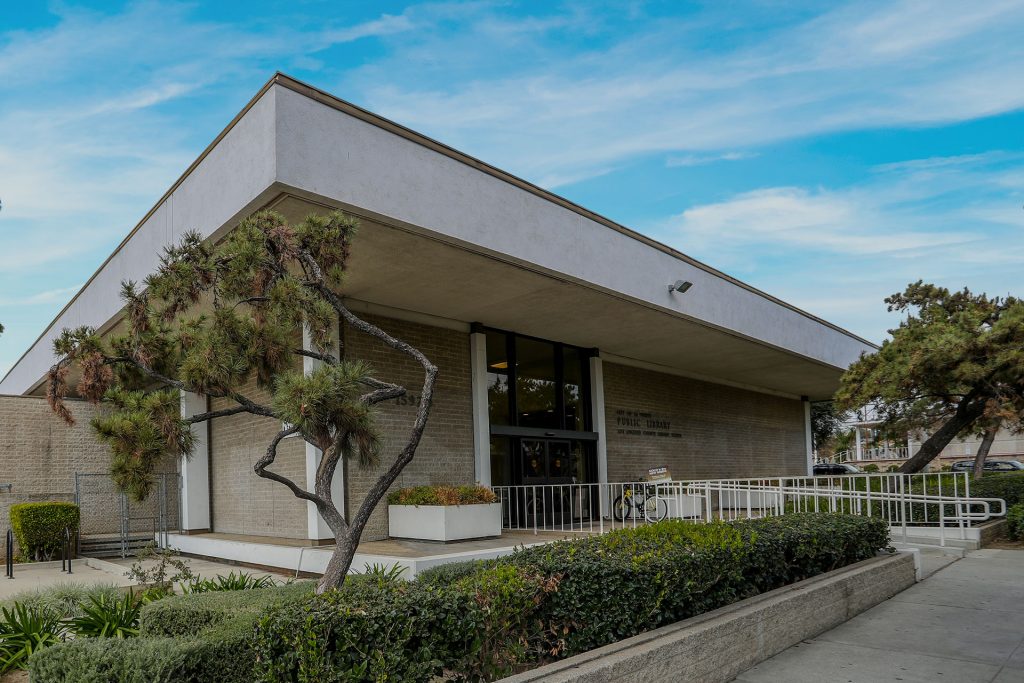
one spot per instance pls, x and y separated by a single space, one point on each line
558 349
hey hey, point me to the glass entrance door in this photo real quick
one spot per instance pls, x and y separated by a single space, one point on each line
556 468
547 461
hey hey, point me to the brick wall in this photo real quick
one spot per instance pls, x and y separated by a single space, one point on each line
698 429
445 455
40 454
242 502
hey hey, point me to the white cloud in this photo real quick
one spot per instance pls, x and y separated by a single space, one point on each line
61 295
839 222
562 115
701 159
96 125
837 252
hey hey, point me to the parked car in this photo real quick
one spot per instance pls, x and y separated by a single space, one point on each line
831 469
990 466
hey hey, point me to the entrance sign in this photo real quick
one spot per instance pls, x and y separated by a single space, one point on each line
659 474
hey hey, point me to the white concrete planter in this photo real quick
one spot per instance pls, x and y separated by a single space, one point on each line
444 522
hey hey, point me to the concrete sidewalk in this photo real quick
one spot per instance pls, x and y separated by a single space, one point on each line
962 624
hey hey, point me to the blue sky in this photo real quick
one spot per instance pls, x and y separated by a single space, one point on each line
826 153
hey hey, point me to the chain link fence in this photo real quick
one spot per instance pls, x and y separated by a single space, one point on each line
114 525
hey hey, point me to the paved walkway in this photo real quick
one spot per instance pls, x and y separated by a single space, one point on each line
962 624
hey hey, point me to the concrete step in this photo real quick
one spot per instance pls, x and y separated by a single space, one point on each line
947 551
111 547
933 542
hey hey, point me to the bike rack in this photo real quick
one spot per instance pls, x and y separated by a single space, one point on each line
10 554
65 551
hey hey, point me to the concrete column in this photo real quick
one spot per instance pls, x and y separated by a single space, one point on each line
195 471
597 419
316 527
856 431
481 414
808 437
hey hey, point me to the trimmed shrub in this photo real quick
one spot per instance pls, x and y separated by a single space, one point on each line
201 637
479 619
444 574
39 527
442 495
1008 486
472 621
470 629
796 547
1015 522
628 581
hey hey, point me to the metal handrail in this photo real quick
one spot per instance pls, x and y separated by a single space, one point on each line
941 499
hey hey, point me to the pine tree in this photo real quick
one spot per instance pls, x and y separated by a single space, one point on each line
954 366
209 320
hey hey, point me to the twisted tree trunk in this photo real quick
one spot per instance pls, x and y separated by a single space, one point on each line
967 412
983 449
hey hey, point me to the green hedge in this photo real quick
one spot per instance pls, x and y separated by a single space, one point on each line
201 637
486 619
1008 486
401 631
1015 522
39 527
475 620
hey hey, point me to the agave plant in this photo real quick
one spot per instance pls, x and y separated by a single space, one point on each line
232 582
24 631
384 574
106 617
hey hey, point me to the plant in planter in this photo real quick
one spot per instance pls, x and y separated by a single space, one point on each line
444 513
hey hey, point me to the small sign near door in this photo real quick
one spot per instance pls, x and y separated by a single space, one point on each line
659 474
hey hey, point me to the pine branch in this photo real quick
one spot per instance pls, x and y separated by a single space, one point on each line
268 459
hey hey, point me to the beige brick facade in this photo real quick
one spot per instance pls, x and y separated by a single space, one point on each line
445 455
240 501
243 503
698 429
40 454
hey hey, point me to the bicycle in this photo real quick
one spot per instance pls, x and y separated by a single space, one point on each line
644 502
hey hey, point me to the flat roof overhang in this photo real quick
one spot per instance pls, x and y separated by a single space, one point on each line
448 236
397 270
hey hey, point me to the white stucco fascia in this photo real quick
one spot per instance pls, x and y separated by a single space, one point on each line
330 153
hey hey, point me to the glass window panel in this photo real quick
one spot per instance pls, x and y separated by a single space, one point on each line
497 378
501 463
536 384
572 390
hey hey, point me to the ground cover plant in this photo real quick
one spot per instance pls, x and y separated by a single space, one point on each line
34 620
475 620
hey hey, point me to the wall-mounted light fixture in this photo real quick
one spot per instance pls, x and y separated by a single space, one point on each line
680 286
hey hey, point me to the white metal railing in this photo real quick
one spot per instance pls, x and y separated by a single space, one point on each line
876 453
931 499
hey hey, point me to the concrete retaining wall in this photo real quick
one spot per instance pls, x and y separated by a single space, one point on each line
719 645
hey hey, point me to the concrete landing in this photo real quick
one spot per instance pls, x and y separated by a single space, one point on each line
964 623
